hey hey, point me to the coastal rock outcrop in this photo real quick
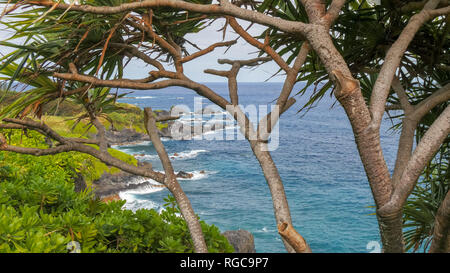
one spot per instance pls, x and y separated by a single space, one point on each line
242 240
125 136
171 128
113 184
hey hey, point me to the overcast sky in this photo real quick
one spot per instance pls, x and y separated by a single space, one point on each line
240 51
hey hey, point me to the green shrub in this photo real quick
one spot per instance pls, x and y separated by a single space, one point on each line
41 212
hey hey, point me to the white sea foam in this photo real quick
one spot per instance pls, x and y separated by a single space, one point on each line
140 97
122 146
135 204
198 175
173 156
228 127
187 154
265 230
146 157
132 202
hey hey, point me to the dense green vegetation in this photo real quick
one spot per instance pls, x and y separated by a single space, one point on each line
41 212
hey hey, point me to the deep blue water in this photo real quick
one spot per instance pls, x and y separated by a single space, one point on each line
325 183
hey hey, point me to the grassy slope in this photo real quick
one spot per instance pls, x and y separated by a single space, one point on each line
62 119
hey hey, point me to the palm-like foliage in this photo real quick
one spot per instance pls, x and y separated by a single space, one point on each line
363 33
420 212
48 40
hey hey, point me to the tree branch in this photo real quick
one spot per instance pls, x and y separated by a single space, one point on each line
333 12
40 127
402 96
383 83
207 50
266 125
293 238
249 62
172 184
122 83
441 230
424 152
220 73
225 8
69 145
315 10
439 96
139 54
264 47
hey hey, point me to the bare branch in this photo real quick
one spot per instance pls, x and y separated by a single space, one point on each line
41 127
264 47
293 238
315 10
69 145
333 12
12 126
402 96
122 83
40 130
35 151
232 83
417 5
225 8
441 230
250 62
266 125
383 83
101 130
424 152
217 72
139 54
393 107
167 118
439 96
207 50
173 185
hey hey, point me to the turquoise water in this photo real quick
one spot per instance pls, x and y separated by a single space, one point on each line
327 189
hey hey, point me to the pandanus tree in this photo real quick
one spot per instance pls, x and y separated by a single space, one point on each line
372 58
73 50
59 41
364 34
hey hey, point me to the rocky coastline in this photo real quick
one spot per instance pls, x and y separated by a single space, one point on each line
108 187
171 128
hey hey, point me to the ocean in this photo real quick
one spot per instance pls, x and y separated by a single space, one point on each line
327 190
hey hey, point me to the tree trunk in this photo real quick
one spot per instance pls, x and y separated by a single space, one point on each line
279 200
174 187
188 214
371 154
349 94
441 232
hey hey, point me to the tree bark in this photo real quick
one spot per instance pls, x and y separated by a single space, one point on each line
174 187
348 93
441 232
279 200
289 234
